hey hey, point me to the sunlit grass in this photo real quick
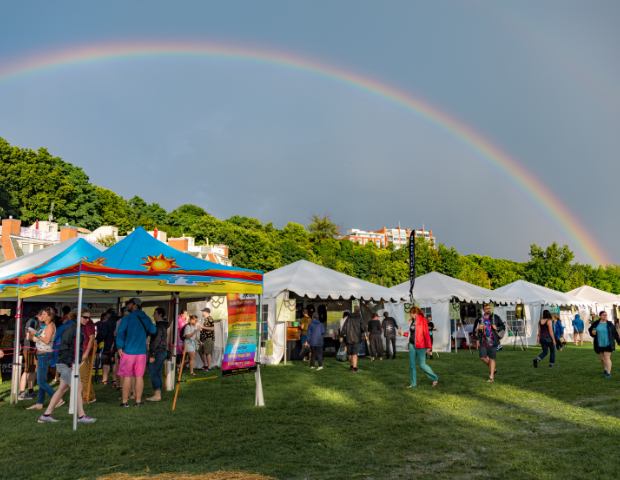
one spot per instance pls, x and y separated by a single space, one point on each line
530 423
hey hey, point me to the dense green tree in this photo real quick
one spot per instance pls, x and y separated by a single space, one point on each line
115 210
323 228
550 267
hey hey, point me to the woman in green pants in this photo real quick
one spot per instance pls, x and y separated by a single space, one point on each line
419 346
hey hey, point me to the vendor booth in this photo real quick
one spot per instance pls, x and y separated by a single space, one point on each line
290 289
603 301
452 304
137 266
536 298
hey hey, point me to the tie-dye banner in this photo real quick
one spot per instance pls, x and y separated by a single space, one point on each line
240 352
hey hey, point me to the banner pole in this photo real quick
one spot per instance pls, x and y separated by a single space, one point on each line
174 404
259 400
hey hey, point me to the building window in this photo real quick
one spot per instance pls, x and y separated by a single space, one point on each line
427 312
36 247
515 325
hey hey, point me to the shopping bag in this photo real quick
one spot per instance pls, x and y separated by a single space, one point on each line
305 351
342 356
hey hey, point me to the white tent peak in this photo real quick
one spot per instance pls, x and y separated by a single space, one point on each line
595 295
436 287
531 293
309 279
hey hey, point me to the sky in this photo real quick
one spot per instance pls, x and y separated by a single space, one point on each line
538 80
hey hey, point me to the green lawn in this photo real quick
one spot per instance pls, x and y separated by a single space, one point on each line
544 423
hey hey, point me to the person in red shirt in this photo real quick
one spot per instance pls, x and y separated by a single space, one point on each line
419 346
86 366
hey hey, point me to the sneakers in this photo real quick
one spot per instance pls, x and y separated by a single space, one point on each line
47 419
24 396
355 370
536 362
607 375
86 419
320 368
551 365
139 404
126 404
605 372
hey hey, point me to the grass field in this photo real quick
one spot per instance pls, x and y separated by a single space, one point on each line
531 423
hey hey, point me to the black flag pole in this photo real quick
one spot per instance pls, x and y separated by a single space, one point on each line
411 263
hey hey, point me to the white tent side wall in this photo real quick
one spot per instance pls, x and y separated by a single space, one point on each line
277 330
440 312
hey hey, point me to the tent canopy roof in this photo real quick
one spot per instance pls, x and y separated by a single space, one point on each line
595 295
32 260
308 279
436 287
532 293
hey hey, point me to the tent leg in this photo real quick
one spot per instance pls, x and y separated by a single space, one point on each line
76 363
259 400
15 371
171 364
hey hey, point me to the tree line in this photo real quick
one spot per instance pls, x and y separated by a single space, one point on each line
30 181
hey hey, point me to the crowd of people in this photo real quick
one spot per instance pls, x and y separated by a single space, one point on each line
122 345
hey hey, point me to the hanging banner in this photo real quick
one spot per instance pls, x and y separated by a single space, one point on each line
455 311
286 310
240 352
219 308
408 307
411 262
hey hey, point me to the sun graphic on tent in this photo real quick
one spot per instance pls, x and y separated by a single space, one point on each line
159 263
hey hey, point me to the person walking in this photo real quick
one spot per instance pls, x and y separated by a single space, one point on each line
45 355
419 346
66 356
604 334
304 323
375 343
558 332
353 330
431 329
86 367
546 339
30 357
190 332
131 344
314 340
345 315
390 327
158 352
489 327
578 329
207 339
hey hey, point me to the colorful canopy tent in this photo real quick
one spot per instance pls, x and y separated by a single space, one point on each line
304 278
140 265
10 271
435 292
535 298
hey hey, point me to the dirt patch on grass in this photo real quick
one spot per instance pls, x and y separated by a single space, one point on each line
221 475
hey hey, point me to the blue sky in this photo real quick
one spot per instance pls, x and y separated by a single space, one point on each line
540 80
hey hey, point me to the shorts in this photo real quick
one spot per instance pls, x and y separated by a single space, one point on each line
132 365
490 352
304 339
191 345
30 360
107 359
353 348
64 372
605 349
207 346
578 331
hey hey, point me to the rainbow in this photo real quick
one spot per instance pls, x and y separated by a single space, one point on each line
525 180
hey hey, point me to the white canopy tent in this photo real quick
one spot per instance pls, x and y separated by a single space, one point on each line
536 297
306 279
604 300
435 291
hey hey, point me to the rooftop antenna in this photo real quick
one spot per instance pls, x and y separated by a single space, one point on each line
51 218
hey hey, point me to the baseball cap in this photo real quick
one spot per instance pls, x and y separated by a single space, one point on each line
137 301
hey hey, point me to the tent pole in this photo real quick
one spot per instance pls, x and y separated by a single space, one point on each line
259 400
16 344
76 361
175 341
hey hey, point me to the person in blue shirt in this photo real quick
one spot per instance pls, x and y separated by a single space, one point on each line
604 333
314 340
578 329
558 332
131 345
